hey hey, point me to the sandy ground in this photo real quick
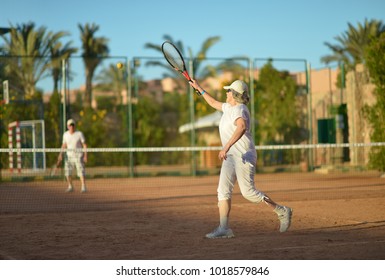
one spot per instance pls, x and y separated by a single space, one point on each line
340 216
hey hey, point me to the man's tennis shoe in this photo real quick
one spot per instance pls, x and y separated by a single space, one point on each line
284 216
220 232
70 189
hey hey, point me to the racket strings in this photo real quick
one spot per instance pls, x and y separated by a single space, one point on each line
173 56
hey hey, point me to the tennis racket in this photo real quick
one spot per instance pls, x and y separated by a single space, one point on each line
54 168
175 59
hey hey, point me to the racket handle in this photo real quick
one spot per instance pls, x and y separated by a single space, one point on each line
197 92
186 75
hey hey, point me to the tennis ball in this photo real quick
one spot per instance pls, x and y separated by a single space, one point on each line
119 65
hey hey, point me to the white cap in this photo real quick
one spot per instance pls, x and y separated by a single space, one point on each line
238 86
70 121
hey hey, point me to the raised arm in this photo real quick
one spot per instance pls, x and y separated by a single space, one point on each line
209 99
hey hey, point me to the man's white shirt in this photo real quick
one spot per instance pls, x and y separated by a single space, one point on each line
74 141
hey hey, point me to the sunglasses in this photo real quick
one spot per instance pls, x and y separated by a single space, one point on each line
229 90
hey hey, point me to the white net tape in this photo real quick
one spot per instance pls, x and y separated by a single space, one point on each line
187 149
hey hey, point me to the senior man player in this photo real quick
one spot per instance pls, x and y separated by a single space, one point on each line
73 140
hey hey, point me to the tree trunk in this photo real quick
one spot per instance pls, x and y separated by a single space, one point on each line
87 102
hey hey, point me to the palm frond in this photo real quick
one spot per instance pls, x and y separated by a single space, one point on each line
351 44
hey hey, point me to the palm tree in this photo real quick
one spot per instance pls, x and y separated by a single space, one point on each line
352 43
58 53
112 78
29 49
94 50
350 50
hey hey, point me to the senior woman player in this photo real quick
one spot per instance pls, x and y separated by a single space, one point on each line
238 157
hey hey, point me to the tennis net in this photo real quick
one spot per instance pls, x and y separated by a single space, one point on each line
197 161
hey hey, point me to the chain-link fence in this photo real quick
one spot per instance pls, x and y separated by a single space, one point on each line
141 102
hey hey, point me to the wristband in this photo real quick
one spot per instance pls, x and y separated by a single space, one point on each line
203 92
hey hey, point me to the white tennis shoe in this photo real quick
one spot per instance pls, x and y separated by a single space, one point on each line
220 232
70 189
284 216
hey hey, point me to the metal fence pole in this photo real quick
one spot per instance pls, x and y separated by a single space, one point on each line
310 111
252 105
64 98
192 120
129 117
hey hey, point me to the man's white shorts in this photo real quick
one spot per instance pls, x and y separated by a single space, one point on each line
74 162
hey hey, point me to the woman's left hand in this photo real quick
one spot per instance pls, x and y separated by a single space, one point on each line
222 155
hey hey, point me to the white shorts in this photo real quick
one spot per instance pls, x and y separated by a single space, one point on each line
241 169
74 162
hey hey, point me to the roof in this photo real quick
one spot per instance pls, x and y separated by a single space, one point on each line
207 121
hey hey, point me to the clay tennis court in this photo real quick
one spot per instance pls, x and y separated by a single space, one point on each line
336 216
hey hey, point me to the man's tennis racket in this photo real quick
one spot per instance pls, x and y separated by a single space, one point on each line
175 59
54 168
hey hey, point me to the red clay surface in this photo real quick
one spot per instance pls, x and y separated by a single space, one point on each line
340 216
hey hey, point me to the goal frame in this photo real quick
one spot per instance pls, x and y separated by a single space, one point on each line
17 125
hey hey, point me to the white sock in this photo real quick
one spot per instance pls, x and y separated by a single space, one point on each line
224 222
